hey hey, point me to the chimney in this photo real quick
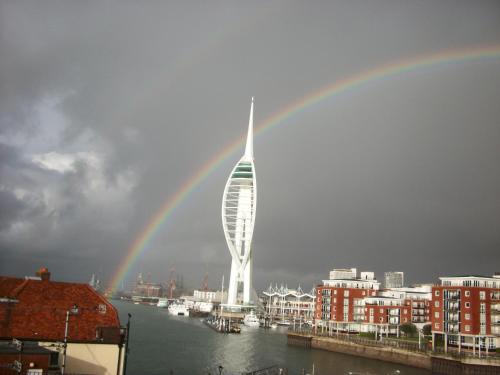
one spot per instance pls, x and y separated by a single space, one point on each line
43 273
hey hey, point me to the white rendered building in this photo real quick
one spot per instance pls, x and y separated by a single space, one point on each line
238 220
394 279
282 303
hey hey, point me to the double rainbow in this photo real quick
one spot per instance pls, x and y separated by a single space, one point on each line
141 242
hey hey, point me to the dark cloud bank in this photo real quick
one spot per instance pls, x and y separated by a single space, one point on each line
107 109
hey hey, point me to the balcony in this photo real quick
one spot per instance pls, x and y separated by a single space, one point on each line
451 295
452 317
452 307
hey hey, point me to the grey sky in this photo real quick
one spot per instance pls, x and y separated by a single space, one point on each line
107 109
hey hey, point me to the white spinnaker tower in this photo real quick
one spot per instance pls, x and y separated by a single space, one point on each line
238 219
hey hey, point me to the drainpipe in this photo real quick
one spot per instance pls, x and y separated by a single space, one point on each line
65 343
126 345
120 347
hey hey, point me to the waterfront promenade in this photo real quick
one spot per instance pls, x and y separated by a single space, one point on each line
399 351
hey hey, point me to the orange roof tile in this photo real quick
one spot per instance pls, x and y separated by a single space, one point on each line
36 310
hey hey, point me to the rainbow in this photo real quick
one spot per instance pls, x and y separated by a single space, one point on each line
141 242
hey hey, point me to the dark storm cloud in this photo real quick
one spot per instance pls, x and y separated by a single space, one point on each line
108 108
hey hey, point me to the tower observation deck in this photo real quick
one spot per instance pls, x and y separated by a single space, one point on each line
238 220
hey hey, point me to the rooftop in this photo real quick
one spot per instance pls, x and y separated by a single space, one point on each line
36 310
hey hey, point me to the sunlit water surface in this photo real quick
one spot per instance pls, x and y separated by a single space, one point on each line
163 344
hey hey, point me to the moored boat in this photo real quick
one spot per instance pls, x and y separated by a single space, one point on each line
178 309
251 320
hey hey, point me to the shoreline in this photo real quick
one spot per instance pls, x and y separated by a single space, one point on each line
435 363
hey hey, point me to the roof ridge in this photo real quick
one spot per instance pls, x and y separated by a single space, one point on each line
105 300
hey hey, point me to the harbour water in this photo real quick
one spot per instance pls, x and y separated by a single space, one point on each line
164 344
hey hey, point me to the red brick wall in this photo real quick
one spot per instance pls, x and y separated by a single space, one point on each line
337 301
473 298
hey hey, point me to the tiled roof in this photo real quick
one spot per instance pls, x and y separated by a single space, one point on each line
36 310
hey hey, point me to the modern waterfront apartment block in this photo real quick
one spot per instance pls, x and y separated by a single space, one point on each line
340 300
349 303
466 312
239 203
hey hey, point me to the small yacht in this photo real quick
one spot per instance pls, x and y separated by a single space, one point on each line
251 320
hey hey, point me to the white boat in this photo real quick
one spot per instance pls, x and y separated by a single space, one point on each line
204 307
274 326
162 302
178 309
251 320
284 323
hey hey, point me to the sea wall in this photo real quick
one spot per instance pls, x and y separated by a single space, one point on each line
466 366
380 353
299 340
438 364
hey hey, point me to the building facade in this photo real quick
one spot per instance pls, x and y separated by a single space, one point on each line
393 280
466 312
340 301
287 305
349 303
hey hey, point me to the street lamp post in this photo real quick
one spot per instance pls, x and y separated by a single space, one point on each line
73 310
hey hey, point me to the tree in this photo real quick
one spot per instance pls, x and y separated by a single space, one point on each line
409 329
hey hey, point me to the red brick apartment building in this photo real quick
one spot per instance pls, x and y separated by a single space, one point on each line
466 312
38 310
349 303
340 300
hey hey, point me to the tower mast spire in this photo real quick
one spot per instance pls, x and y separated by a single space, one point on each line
249 145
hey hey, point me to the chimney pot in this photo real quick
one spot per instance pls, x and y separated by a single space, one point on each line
43 273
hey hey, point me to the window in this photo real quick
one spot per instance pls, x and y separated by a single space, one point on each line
436 325
436 315
334 299
467 293
467 327
436 303
381 320
436 293
467 305
335 292
467 316
346 293
482 295
381 311
482 308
